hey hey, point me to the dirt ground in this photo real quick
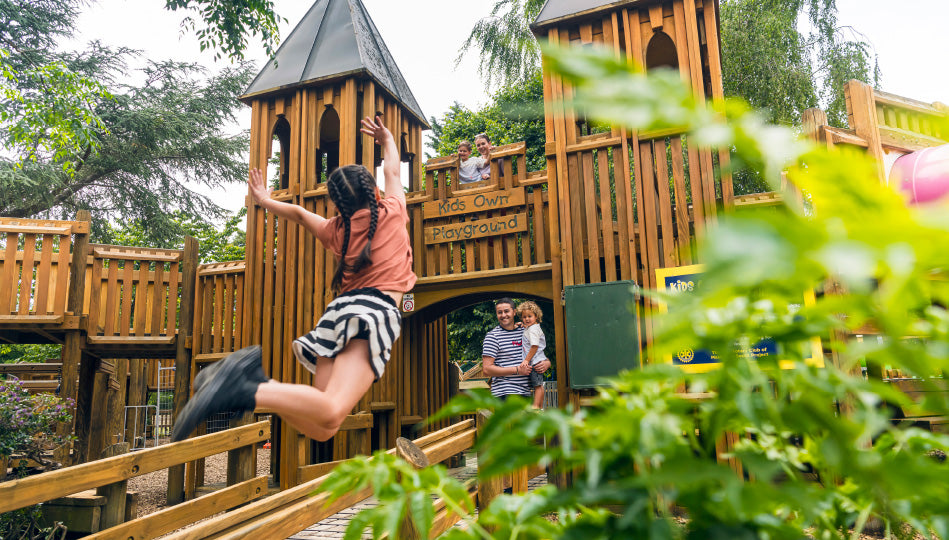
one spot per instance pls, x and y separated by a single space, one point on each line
151 487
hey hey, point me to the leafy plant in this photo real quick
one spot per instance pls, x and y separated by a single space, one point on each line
819 453
28 422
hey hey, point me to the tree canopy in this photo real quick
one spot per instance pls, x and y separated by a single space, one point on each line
50 101
507 50
514 113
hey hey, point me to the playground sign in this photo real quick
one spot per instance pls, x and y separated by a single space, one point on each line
470 230
686 279
408 302
468 204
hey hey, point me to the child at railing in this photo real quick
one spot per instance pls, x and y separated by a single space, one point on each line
532 345
469 170
483 144
351 344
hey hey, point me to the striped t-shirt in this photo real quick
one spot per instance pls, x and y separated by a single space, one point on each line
505 347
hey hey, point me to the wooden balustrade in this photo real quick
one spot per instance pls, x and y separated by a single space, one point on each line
466 229
132 299
219 308
110 471
34 269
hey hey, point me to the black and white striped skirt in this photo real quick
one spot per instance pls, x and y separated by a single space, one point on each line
365 313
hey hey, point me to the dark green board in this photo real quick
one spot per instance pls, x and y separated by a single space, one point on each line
602 331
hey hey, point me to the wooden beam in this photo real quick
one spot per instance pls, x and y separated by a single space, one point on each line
43 487
181 515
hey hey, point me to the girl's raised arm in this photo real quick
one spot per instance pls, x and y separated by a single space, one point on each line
391 165
261 193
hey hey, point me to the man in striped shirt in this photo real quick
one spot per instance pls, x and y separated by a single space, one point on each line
501 355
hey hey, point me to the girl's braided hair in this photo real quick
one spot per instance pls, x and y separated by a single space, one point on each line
351 188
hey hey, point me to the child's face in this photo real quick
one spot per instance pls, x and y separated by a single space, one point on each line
464 152
528 317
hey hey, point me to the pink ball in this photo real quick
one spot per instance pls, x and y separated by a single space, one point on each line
923 175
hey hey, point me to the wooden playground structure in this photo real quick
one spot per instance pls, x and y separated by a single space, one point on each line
610 206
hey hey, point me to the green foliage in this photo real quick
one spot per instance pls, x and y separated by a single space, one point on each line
24 524
770 60
818 444
214 244
507 50
28 353
227 23
28 421
164 139
515 113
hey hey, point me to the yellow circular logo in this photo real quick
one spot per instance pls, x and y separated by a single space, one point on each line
686 356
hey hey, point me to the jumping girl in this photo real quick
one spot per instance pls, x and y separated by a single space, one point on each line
351 344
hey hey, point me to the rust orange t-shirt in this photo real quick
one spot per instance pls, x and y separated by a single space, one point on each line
391 268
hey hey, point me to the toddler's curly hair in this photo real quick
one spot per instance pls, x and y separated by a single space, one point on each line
532 307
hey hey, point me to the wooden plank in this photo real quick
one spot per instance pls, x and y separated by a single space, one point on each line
476 229
681 203
139 255
160 292
606 216
142 299
175 517
540 227
668 247
26 274
127 291
649 228
9 275
50 485
587 181
35 229
468 204
575 202
43 274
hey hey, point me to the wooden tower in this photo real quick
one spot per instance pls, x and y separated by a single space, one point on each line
332 70
664 189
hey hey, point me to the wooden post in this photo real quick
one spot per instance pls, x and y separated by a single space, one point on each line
72 347
861 109
189 274
488 488
113 513
242 462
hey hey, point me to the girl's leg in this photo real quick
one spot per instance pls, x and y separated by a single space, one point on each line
319 413
539 397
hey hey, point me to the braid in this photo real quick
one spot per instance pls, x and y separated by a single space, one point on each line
351 188
368 185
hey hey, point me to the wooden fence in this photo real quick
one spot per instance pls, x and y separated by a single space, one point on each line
472 229
111 474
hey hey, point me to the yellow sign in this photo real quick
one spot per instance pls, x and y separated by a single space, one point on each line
686 279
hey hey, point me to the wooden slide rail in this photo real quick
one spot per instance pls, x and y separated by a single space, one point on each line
294 509
115 470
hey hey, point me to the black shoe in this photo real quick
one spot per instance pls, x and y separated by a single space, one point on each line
252 370
231 386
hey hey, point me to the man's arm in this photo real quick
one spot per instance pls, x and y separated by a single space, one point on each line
490 369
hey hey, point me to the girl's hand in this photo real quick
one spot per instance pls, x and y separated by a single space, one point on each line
259 189
375 129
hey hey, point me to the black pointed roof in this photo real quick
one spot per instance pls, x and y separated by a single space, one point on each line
335 38
556 10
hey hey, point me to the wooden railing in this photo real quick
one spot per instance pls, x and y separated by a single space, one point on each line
495 224
294 509
133 292
34 270
111 474
219 307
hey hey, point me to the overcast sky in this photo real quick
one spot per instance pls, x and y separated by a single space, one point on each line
910 38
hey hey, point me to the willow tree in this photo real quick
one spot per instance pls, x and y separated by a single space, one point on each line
507 50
